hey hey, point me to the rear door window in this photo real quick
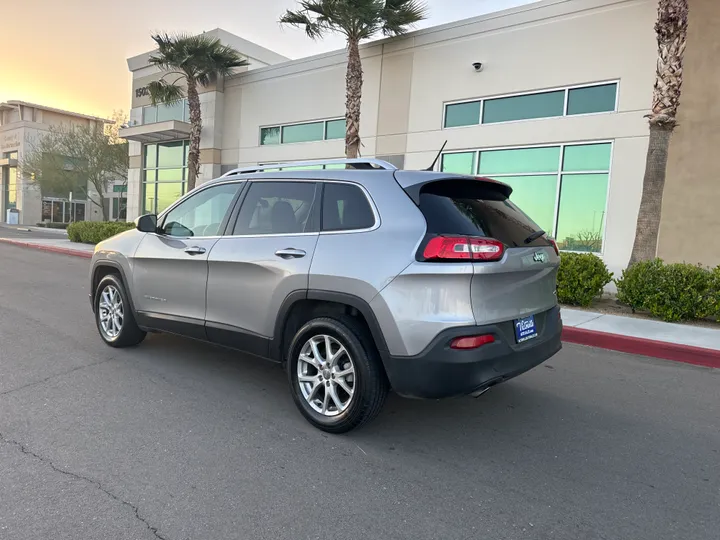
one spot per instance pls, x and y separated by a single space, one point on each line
475 208
345 208
278 208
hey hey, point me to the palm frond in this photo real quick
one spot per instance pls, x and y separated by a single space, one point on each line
300 19
199 57
399 16
164 92
356 19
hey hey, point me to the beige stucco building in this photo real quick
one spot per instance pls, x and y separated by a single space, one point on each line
557 110
21 124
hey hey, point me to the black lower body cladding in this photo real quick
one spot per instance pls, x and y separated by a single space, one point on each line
441 372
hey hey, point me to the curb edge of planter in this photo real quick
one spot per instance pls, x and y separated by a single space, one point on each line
688 354
51 249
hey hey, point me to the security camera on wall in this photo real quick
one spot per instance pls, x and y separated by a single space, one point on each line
478 66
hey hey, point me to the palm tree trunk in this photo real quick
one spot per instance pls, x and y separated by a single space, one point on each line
353 94
648 221
195 131
671 31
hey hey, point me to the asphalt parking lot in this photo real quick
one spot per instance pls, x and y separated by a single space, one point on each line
176 440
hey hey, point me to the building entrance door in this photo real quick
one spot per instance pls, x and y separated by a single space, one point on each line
62 210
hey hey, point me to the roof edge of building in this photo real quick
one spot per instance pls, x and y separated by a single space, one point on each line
15 102
245 47
568 7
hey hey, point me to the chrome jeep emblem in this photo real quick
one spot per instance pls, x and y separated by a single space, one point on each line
540 257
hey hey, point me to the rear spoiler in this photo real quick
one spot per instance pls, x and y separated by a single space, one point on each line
413 182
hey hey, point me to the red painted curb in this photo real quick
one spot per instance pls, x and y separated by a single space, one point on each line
52 249
687 354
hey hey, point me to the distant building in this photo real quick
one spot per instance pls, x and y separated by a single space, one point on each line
20 124
556 109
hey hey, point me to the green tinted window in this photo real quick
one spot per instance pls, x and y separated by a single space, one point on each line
543 105
581 218
535 195
524 160
462 114
587 157
302 168
149 115
170 175
335 166
459 163
171 154
149 197
592 99
150 155
168 194
170 112
303 133
335 129
270 135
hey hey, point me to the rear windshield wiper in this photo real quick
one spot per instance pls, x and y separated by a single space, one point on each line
534 236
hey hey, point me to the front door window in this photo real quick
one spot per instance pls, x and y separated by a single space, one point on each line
202 213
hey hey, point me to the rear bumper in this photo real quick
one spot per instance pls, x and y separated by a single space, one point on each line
440 372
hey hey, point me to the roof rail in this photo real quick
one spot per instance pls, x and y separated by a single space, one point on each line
358 163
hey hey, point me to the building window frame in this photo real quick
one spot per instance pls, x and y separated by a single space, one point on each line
280 127
559 173
156 170
565 114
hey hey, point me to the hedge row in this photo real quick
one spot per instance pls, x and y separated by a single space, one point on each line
51 225
671 292
92 232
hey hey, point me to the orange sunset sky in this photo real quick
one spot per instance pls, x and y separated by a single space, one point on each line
72 54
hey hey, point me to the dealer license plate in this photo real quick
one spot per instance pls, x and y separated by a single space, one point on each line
525 329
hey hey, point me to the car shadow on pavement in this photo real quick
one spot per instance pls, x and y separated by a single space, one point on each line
534 411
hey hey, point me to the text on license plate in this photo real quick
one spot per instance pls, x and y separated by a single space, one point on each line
525 329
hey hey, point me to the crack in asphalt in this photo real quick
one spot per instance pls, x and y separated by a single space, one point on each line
46 379
25 450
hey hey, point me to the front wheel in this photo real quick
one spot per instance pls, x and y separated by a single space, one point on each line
113 315
335 375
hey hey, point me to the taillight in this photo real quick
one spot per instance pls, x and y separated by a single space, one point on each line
555 246
449 248
471 342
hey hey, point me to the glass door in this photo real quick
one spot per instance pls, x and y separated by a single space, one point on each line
78 211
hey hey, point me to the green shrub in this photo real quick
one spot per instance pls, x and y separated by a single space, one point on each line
51 225
671 292
638 283
712 302
92 232
581 278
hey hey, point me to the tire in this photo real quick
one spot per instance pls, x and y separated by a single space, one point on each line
358 369
129 333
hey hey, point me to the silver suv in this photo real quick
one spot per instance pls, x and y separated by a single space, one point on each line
359 279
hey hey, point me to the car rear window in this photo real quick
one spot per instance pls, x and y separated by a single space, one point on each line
476 208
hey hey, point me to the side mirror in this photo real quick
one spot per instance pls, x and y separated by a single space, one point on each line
146 223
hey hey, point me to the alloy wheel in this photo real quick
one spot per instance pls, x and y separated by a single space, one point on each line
326 375
111 312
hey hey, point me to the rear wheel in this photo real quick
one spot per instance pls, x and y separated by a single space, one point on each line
113 315
335 375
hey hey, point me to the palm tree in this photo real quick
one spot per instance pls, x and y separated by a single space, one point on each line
356 20
198 60
671 30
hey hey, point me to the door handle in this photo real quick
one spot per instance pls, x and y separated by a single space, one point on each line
195 250
290 253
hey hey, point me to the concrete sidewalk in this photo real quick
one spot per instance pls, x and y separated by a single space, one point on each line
680 342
